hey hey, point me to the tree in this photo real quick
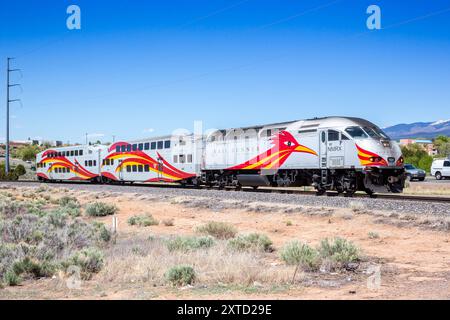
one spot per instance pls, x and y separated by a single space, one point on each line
28 153
416 155
442 144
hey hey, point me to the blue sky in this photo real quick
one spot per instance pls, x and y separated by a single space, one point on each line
142 68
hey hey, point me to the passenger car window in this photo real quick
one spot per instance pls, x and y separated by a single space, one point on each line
333 135
134 168
175 159
117 148
182 160
167 144
356 132
81 152
146 168
134 147
141 146
153 146
160 144
189 158
76 153
123 148
141 168
128 168
146 146
129 147
72 153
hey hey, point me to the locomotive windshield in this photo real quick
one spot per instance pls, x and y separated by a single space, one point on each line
356 132
376 132
366 132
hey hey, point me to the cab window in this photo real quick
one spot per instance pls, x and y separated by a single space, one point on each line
356 132
333 135
446 163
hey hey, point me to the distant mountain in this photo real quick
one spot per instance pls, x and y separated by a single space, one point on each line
419 130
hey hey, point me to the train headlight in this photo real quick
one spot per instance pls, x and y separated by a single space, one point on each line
375 159
400 161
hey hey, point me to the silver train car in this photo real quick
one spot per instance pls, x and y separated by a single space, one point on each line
341 154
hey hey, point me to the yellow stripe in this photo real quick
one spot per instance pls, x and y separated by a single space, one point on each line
269 166
262 160
151 169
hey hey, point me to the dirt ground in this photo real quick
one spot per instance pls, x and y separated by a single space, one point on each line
414 262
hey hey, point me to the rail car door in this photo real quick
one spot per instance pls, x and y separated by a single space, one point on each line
120 170
160 168
335 149
323 143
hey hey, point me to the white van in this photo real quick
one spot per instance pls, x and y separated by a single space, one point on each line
440 168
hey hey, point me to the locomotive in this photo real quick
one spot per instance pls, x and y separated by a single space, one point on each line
340 154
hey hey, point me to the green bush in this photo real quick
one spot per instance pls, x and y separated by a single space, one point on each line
37 245
89 260
339 251
301 254
185 243
10 278
68 201
100 209
219 230
143 221
251 241
19 170
180 275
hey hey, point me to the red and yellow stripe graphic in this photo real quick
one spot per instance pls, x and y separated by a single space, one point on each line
367 158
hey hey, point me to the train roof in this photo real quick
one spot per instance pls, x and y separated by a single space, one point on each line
309 123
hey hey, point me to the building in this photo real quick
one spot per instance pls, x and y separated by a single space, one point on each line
426 144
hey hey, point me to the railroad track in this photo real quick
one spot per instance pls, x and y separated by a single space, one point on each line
387 196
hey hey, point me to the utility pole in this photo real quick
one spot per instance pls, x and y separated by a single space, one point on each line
8 101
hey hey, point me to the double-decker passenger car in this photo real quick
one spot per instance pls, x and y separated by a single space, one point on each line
70 163
335 153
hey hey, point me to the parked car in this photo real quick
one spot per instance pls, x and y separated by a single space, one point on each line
440 168
414 173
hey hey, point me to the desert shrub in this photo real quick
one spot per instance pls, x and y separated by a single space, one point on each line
89 261
254 241
10 278
219 230
12 208
19 170
35 245
143 221
70 211
103 233
100 209
340 251
184 243
180 275
168 222
302 255
373 235
68 201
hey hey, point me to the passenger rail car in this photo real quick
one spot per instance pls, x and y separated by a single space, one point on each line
334 153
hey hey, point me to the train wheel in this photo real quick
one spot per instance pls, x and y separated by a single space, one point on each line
320 192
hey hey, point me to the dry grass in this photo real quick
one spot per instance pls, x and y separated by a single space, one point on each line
148 260
420 188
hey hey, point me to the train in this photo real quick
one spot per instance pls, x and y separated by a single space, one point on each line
342 154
